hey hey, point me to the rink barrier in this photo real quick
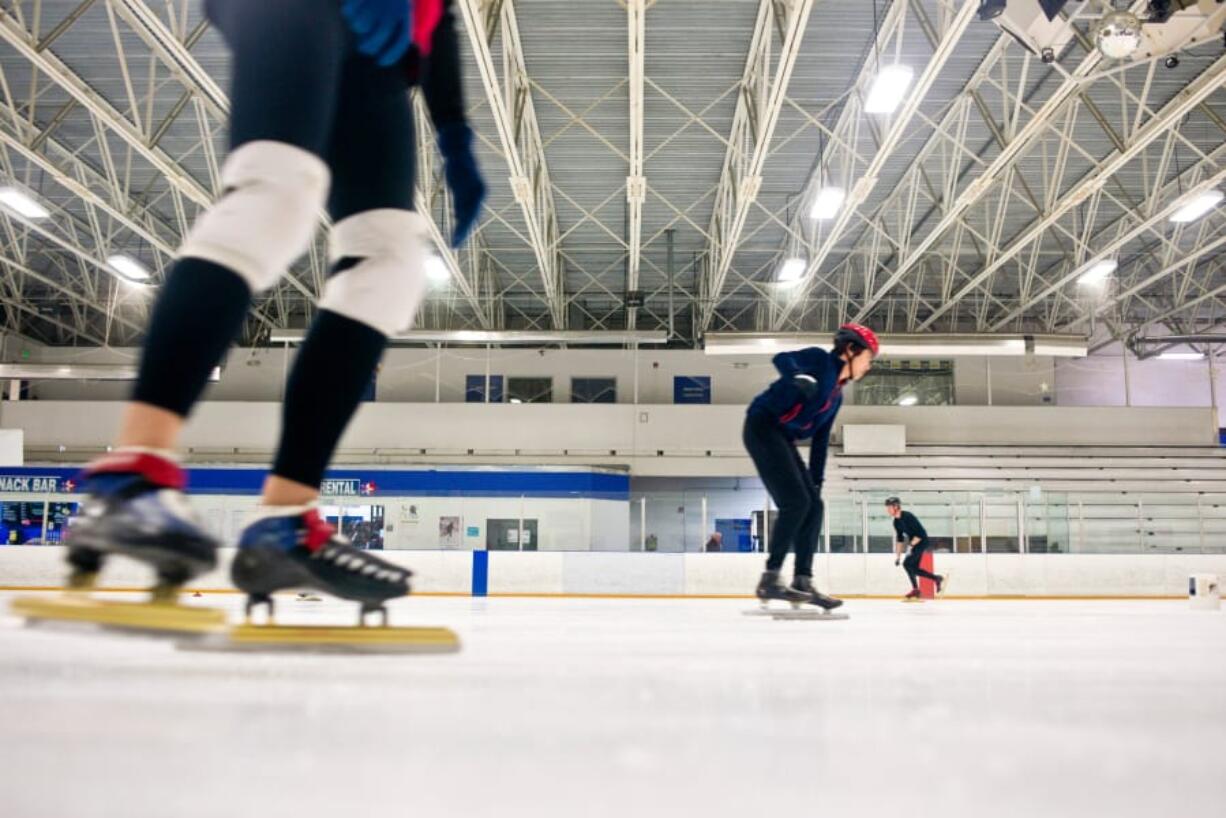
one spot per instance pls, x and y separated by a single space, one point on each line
648 597
619 575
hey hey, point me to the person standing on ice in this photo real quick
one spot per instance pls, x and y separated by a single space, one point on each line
320 115
909 533
802 403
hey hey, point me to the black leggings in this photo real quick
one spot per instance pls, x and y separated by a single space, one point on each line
298 78
912 565
786 478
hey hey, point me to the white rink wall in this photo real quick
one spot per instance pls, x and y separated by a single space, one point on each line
594 573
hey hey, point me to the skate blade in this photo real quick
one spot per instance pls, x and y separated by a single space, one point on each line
913 601
809 615
802 614
150 617
329 639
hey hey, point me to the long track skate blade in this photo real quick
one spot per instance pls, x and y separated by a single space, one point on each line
329 639
802 613
149 617
809 614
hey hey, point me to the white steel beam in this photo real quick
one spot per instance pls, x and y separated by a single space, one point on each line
860 179
510 103
1069 91
1187 99
762 94
636 182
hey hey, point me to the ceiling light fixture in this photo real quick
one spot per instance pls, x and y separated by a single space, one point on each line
22 203
889 89
1097 271
791 271
1197 206
128 268
827 203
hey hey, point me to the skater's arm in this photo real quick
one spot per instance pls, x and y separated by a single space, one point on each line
817 454
441 84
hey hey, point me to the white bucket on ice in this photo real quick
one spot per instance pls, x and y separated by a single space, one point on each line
1204 593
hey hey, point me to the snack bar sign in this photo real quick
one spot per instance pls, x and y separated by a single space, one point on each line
32 485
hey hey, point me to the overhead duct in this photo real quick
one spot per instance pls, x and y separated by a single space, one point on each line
922 345
77 372
504 337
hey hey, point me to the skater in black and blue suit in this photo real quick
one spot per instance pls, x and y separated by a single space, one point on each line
802 404
321 119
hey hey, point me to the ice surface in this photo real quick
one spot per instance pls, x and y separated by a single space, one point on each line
633 708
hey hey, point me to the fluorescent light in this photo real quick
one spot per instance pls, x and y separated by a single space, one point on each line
888 89
908 400
1182 356
827 203
22 203
1096 272
1197 206
436 270
791 270
128 267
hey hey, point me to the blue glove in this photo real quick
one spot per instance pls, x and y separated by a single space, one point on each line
455 143
384 27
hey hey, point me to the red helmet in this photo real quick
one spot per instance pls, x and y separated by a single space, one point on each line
858 334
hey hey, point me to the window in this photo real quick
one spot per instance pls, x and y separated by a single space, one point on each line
474 389
530 390
907 383
593 390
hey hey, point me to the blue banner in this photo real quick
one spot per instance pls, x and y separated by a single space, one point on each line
692 389
360 483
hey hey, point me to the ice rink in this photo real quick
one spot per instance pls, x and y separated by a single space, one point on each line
597 707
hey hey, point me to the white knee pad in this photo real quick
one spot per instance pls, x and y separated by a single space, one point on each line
265 219
383 290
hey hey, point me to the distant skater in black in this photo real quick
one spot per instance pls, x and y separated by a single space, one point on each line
910 533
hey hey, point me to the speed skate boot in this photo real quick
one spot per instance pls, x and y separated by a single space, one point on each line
804 585
913 596
136 507
293 547
770 587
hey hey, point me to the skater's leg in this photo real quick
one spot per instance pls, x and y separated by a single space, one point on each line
786 481
919 570
911 566
275 182
286 67
377 281
810 528
806 547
